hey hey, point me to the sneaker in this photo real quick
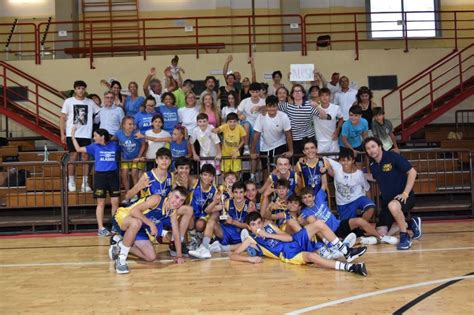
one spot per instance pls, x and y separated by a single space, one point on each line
369 240
387 239
336 254
115 239
103 232
252 252
244 234
215 247
359 269
85 188
114 251
405 241
134 199
246 150
71 186
201 253
354 253
121 267
415 226
124 202
184 250
324 252
350 240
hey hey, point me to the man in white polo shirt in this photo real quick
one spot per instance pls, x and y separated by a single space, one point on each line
275 131
110 116
346 97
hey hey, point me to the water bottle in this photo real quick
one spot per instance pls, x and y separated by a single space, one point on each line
46 153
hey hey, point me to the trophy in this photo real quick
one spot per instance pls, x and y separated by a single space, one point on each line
224 215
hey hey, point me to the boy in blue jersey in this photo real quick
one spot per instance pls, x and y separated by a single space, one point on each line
282 170
202 196
317 209
296 249
227 233
157 181
395 177
310 169
147 219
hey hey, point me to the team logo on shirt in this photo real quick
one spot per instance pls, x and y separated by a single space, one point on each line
387 167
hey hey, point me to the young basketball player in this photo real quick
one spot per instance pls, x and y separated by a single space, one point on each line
282 170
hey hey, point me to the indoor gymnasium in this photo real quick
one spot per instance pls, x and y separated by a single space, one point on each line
237 156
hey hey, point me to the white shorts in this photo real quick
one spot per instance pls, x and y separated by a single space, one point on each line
328 146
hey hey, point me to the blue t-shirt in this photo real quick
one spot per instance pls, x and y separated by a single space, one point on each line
390 174
179 149
321 211
354 132
170 117
132 107
143 121
129 144
105 156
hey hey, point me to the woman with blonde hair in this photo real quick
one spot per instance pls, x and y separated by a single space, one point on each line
209 107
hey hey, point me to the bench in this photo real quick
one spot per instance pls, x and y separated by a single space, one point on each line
135 48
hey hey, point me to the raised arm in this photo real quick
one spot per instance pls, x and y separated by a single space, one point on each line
74 141
146 83
227 62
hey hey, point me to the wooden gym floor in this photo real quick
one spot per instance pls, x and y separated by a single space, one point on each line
73 275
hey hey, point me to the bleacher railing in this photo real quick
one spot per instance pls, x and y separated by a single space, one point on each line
233 33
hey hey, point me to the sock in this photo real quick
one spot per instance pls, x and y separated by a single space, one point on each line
181 237
124 250
343 266
340 245
225 248
164 233
205 241
84 180
72 179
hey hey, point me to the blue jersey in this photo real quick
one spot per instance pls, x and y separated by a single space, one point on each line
158 187
235 213
282 209
292 179
311 174
170 117
179 149
230 232
106 156
133 106
200 199
321 211
143 121
129 144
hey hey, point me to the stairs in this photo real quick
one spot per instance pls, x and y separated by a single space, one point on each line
111 23
38 109
433 92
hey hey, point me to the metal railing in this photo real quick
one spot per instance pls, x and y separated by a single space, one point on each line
465 122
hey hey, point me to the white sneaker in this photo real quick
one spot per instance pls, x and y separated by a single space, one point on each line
244 234
350 240
246 150
201 253
121 266
369 240
336 254
215 247
389 240
85 188
71 186
325 253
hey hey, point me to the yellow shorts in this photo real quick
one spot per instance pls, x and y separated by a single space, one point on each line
132 165
120 215
296 260
231 165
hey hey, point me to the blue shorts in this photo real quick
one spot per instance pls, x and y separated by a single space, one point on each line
246 122
230 234
349 211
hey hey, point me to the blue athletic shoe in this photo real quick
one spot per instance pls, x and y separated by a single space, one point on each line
415 226
405 241
252 252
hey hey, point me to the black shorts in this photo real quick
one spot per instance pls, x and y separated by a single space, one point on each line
106 182
385 216
344 229
81 141
272 155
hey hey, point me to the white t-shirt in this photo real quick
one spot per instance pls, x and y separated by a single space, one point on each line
349 186
187 117
334 89
272 130
325 128
110 118
154 146
79 113
226 111
207 141
246 106
345 100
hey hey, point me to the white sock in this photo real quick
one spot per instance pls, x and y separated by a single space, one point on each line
124 250
342 266
225 248
72 179
340 246
205 241
84 180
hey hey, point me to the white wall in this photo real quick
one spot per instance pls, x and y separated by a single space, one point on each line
27 8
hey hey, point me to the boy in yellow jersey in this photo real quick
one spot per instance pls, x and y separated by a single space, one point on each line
149 218
234 140
297 249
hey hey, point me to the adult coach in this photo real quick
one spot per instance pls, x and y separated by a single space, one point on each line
395 177
77 111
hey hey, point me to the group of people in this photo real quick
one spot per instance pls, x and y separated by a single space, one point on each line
154 140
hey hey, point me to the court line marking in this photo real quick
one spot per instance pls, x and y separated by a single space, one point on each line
374 293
